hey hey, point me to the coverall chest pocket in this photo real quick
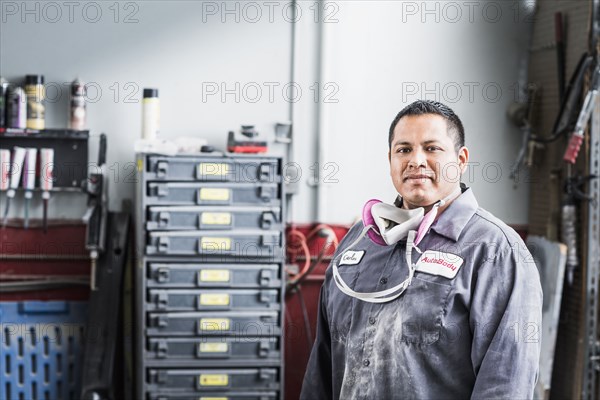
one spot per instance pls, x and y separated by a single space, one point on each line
341 306
422 309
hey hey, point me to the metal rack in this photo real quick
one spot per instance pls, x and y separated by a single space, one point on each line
59 358
591 389
209 277
71 173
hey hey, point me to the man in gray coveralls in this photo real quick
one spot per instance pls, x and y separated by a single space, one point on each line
467 326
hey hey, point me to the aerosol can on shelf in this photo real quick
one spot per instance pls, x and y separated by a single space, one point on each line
36 110
16 107
77 106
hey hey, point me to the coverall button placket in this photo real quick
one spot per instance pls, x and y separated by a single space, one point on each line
366 363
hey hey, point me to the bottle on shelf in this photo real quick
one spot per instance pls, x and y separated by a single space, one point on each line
150 114
3 89
77 106
36 111
16 107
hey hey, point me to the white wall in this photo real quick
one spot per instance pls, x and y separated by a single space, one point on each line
383 55
183 48
368 53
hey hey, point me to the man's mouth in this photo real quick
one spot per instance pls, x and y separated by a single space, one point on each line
418 177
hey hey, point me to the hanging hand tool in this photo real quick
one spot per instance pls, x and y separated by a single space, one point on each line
29 180
521 114
46 180
560 54
565 119
584 116
516 167
573 195
15 177
96 215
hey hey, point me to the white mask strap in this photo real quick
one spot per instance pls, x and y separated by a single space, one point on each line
451 196
378 297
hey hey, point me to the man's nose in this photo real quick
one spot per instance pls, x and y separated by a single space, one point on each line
417 158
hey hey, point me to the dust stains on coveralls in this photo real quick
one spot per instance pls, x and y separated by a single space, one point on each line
474 336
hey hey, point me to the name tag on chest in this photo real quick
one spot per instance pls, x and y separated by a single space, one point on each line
438 263
352 257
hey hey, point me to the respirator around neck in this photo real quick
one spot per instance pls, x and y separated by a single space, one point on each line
387 224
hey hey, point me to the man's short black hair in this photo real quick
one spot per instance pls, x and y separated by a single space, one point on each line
422 107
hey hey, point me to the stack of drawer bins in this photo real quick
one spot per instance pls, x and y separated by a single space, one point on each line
209 277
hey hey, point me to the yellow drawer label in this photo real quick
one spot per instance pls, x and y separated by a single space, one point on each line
214 275
215 243
214 324
216 218
214 380
214 347
213 169
215 194
214 299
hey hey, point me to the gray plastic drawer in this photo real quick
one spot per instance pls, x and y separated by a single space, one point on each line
225 323
215 395
213 275
238 349
234 194
213 379
212 299
212 218
213 169
248 244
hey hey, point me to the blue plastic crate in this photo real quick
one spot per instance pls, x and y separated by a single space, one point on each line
40 349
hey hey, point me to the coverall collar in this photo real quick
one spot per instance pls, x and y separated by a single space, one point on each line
453 220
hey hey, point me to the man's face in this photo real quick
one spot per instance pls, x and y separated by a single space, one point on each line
424 164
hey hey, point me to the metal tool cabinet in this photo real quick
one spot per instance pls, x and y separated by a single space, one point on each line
209 277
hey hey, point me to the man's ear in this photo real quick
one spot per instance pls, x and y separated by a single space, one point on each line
463 159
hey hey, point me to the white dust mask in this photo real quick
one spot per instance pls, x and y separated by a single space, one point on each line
387 224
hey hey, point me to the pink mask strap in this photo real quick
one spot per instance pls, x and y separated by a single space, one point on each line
426 223
368 219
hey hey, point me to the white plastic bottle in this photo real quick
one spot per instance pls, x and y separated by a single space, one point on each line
150 114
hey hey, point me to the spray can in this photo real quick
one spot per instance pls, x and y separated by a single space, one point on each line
77 107
16 108
36 111
150 114
3 89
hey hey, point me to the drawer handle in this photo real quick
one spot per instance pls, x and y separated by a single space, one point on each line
263 350
267 220
163 245
265 277
161 349
163 275
164 218
264 172
162 169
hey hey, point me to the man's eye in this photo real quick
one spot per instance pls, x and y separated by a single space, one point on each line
403 150
433 148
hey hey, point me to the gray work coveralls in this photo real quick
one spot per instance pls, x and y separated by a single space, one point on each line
476 335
